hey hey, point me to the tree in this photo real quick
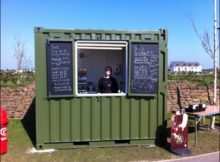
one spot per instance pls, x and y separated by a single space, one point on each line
205 40
20 55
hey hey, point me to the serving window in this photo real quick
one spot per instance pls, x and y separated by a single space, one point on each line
91 59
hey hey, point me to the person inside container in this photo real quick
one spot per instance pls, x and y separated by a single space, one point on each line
108 84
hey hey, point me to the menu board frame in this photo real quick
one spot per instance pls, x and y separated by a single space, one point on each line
50 92
130 91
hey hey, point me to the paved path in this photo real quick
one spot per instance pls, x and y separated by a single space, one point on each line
211 157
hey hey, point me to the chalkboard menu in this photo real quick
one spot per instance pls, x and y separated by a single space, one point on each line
144 68
59 68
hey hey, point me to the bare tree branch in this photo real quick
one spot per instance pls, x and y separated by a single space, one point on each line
207 45
20 55
204 39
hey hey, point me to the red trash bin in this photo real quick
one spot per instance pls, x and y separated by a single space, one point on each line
3 131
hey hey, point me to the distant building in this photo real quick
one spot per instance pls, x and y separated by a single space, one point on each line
181 66
207 71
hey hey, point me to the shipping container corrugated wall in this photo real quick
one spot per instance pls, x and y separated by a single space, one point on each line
71 121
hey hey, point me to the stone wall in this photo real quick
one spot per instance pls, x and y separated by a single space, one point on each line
180 94
17 100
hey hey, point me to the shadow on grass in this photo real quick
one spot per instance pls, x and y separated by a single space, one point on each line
162 133
191 129
29 122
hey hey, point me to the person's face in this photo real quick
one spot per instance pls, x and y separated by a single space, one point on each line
107 72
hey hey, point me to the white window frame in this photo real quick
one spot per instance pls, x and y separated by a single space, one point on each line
110 47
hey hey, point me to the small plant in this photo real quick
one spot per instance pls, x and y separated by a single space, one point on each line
13 78
201 79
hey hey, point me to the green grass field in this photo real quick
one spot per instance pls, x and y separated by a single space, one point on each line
20 143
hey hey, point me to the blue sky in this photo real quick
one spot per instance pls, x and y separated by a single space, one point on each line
19 17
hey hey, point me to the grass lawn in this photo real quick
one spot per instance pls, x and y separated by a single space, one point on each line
20 143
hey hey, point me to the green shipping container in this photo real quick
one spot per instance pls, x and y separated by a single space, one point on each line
69 111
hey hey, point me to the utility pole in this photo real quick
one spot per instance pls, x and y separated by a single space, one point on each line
219 27
215 54
215 65
219 32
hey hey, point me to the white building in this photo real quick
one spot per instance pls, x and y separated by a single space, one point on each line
181 66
